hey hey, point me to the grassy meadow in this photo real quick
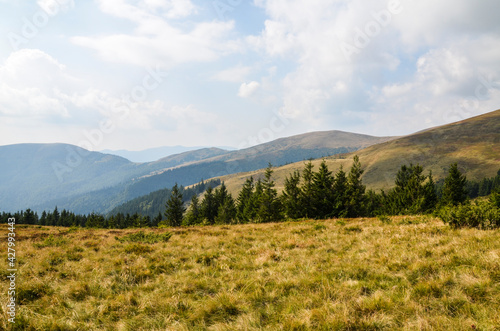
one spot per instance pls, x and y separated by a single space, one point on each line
408 273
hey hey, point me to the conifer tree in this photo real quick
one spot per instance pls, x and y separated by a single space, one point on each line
157 220
291 196
227 211
244 200
454 190
194 215
322 194
175 209
341 193
29 217
43 218
408 197
306 194
430 195
270 205
95 221
220 195
209 207
253 207
356 190
56 217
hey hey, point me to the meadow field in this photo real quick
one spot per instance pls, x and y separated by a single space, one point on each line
406 273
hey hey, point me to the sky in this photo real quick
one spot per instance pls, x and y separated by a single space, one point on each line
138 74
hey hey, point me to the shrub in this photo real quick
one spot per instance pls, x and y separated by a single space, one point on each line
148 238
51 241
481 215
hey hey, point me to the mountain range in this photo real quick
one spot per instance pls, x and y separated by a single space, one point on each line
153 154
473 143
42 176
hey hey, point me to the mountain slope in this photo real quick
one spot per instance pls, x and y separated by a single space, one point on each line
100 182
152 154
473 143
35 175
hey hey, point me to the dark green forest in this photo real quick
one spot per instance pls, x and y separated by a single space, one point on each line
308 194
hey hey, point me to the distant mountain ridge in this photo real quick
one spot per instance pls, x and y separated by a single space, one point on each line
155 154
99 182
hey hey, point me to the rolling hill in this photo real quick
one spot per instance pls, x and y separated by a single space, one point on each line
473 143
41 176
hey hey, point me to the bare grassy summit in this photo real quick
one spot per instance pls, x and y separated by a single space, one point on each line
400 273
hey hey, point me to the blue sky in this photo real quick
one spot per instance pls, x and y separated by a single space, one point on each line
137 74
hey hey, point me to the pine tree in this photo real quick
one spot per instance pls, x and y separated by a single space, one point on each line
209 207
322 194
408 197
270 206
29 217
227 211
454 190
157 219
356 190
341 194
43 218
291 196
56 217
430 195
95 221
194 215
220 195
244 200
252 209
175 207
307 192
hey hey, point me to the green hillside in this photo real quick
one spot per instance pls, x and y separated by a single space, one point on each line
473 143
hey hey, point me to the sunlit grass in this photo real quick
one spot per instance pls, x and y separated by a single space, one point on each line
411 273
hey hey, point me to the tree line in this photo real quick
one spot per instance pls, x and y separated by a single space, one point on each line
310 193
321 194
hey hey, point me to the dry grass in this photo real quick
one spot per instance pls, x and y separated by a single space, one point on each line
364 274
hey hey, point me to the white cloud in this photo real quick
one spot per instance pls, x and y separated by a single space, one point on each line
53 7
37 91
248 89
420 57
233 75
155 40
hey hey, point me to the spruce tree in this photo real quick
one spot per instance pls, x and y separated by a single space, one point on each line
227 211
291 196
341 193
220 195
306 194
194 215
454 190
356 190
270 205
244 200
430 195
157 220
322 186
408 197
43 219
175 207
209 207
253 206
29 217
